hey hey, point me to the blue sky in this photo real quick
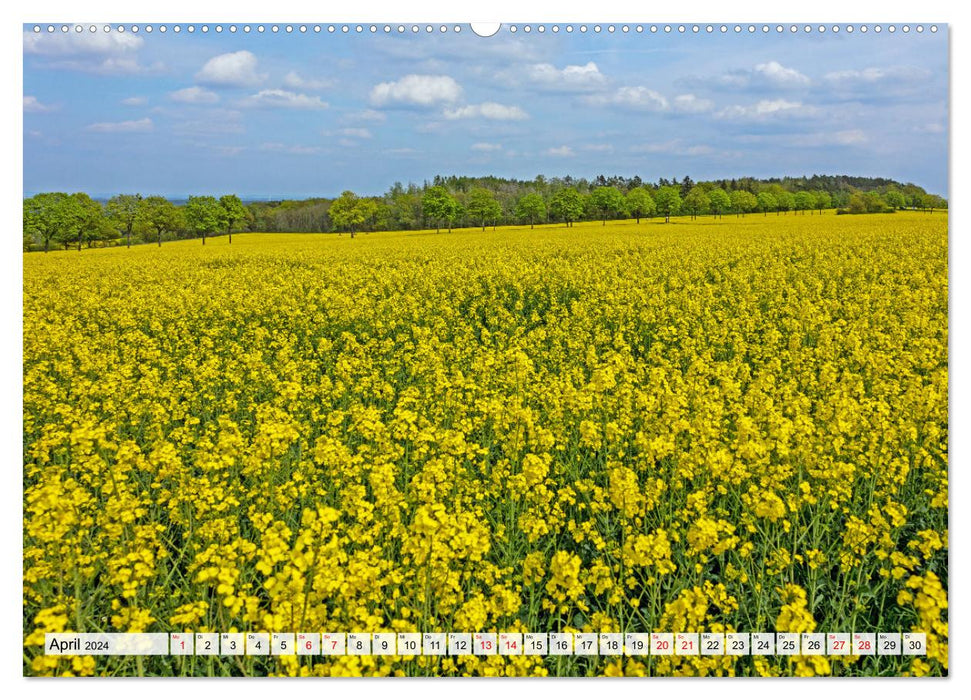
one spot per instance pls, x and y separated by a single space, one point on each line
314 114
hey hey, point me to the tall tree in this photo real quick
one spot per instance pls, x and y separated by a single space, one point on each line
161 216
439 206
608 201
203 216
124 211
348 212
719 201
785 201
86 220
640 203
697 201
567 204
766 202
482 206
895 199
46 215
668 200
743 201
233 212
823 201
803 201
532 208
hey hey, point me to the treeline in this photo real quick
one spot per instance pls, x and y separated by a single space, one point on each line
60 219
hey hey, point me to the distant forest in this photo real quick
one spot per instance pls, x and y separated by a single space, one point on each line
58 219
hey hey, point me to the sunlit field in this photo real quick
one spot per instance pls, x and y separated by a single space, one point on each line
711 425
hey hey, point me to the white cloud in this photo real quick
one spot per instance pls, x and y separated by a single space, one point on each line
367 115
211 121
421 90
283 99
357 133
849 137
134 126
634 97
236 69
107 53
486 147
32 104
765 109
674 147
877 75
560 151
930 128
117 65
598 148
81 43
134 101
194 95
567 79
294 81
295 150
691 104
776 73
486 110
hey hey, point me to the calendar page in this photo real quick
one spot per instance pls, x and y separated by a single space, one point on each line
518 349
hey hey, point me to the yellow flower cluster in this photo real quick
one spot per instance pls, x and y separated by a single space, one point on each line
737 424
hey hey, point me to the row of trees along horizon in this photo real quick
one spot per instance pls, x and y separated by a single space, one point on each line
73 220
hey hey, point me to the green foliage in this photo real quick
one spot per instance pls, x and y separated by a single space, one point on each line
743 201
161 216
697 201
719 201
233 212
348 212
804 201
567 205
203 216
640 203
668 200
608 201
482 206
439 206
45 216
124 211
531 208
823 200
766 202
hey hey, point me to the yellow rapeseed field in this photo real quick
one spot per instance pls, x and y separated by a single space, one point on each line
733 424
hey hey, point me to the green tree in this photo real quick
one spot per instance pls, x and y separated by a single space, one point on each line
85 221
823 200
567 204
697 201
895 199
785 201
233 212
46 215
440 206
856 205
640 203
203 216
348 212
161 216
719 200
482 206
668 200
608 201
743 201
874 202
766 202
804 201
125 212
531 208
